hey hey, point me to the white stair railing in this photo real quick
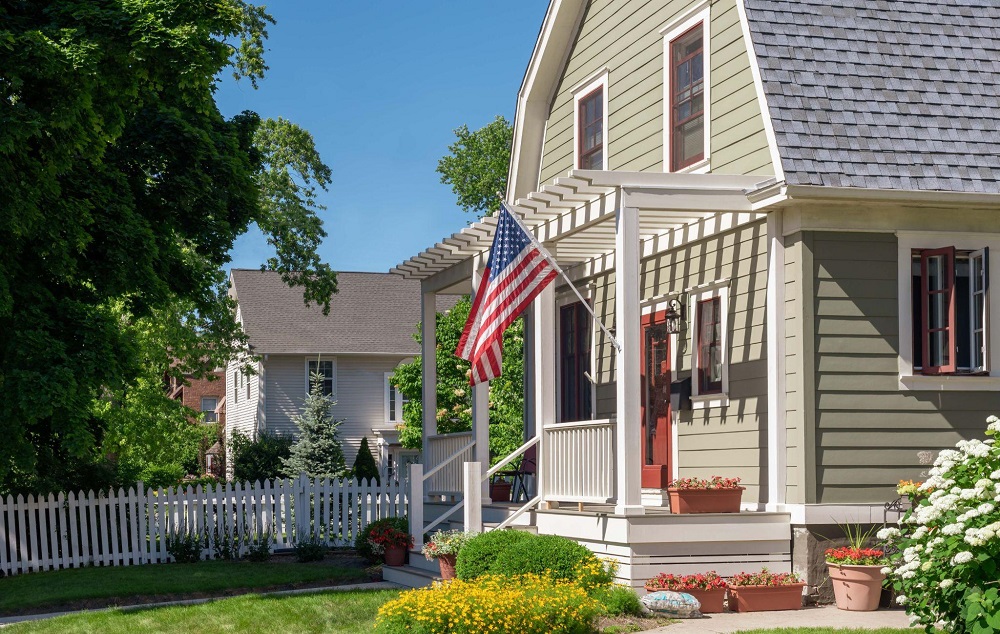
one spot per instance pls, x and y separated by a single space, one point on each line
440 480
474 487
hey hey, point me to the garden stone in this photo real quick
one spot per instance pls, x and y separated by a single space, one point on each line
679 605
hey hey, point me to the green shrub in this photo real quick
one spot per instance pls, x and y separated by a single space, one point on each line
361 541
480 553
259 459
259 547
162 476
310 548
184 546
517 605
553 555
365 469
618 600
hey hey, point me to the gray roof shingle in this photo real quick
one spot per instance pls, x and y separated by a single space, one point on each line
883 93
370 313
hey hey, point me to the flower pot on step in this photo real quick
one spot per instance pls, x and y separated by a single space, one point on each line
447 565
765 598
705 500
395 555
500 491
856 588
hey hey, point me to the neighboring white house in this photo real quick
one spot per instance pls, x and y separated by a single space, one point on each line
367 333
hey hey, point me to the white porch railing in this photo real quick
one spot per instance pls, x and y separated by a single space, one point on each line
578 462
447 451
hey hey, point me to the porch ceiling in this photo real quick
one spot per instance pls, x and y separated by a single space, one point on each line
575 216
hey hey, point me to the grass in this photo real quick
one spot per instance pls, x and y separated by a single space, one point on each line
93 587
347 612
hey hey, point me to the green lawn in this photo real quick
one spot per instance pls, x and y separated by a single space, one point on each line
348 612
93 587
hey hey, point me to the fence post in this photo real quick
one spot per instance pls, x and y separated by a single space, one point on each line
416 505
473 497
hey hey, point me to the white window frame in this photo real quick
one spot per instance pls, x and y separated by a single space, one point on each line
581 90
332 360
908 241
385 401
565 298
701 12
210 411
697 294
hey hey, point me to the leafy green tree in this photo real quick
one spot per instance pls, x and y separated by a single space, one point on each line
122 190
454 395
364 464
477 166
317 450
260 458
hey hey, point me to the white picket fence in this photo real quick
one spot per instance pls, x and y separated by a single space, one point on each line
127 528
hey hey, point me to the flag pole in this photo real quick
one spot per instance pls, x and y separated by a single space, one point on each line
552 261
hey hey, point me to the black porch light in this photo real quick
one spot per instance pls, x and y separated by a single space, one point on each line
674 316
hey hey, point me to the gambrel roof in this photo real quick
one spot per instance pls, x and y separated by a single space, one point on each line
882 94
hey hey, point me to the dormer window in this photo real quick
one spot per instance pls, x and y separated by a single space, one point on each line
590 126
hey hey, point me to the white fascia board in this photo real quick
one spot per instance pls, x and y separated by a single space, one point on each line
916 197
758 83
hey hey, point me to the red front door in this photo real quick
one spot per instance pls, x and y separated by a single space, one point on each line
655 402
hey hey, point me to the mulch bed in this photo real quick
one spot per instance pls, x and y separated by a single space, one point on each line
631 623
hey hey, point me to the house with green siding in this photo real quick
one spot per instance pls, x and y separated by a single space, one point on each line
784 211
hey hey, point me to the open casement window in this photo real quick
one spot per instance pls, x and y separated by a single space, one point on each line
687 99
709 350
950 304
590 111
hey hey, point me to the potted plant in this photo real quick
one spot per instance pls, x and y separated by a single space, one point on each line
709 588
701 495
391 543
912 491
500 490
856 570
444 546
764 591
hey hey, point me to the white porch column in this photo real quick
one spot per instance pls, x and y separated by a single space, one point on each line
481 403
428 365
777 458
544 360
628 438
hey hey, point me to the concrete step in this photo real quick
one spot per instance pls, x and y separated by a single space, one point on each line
408 576
527 528
417 560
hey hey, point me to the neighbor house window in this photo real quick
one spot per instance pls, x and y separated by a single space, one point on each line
208 406
326 369
949 308
590 126
394 401
708 320
575 399
687 99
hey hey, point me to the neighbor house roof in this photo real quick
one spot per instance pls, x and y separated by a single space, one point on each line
882 94
372 313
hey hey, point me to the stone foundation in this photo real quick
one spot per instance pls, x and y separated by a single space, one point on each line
809 545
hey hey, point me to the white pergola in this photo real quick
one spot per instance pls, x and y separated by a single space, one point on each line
594 221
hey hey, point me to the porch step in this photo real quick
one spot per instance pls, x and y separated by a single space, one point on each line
408 576
417 560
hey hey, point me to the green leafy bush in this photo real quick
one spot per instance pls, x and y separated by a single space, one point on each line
526 604
184 546
365 468
946 569
362 545
553 555
618 600
259 459
480 553
310 548
259 547
162 476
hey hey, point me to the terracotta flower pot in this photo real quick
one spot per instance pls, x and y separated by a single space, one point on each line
765 598
856 588
447 565
705 500
500 491
712 601
395 555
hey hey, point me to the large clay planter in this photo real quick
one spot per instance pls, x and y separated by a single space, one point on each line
765 598
712 601
395 556
447 565
705 500
856 588
500 491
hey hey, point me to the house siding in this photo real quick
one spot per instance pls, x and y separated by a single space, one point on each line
624 38
242 413
868 431
728 440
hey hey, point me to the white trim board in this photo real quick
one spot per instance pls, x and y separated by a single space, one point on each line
758 84
701 13
597 80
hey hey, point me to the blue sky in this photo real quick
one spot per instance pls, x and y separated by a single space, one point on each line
381 86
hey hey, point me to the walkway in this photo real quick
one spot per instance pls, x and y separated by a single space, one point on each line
825 616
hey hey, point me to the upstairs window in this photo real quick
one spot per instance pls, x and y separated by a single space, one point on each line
208 405
687 98
394 401
949 309
591 114
325 368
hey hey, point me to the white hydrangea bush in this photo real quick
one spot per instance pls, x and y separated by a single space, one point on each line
946 568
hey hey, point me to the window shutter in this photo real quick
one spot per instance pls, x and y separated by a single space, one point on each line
937 319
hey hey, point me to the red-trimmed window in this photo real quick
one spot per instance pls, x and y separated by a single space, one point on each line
687 99
709 346
591 128
950 311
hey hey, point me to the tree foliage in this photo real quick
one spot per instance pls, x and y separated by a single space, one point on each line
365 467
316 451
454 395
260 458
477 166
122 190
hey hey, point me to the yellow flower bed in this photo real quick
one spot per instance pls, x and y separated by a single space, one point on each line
526 604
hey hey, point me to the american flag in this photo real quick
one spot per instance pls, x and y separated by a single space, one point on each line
516 272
